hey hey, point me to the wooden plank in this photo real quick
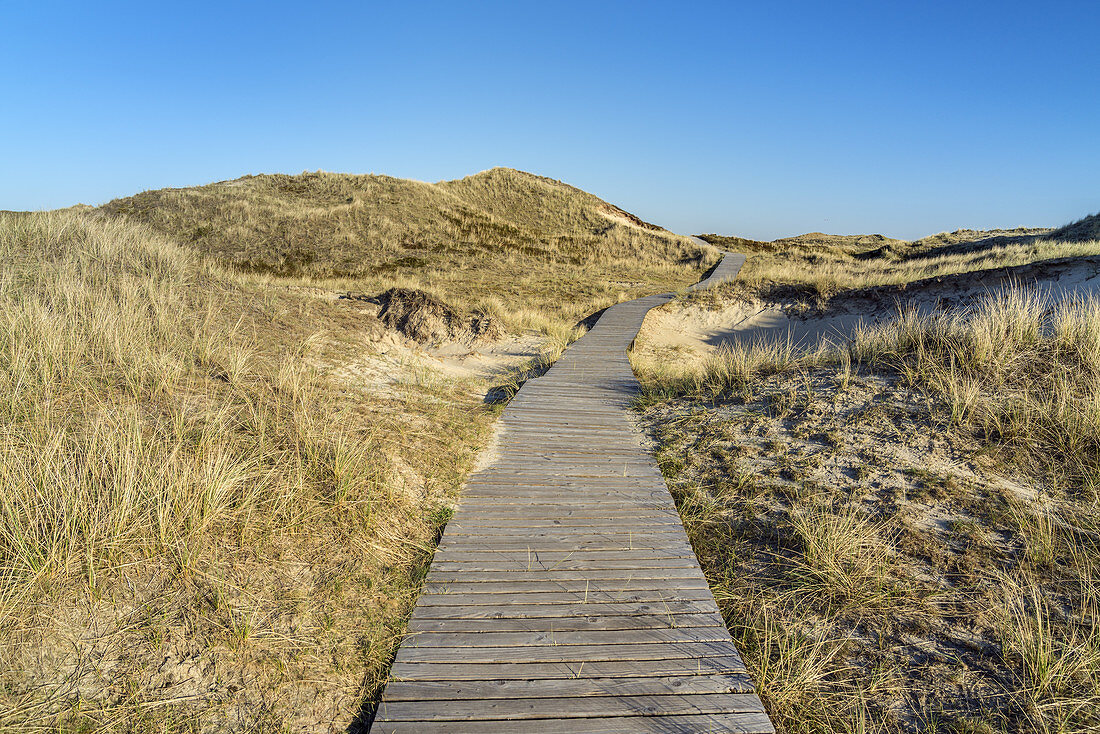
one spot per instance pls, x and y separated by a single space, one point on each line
553 503
457 553
564 507
549 444
542 503
570 486
578 707
480 690
548 670
532 520
590 608
580 565
536 477
536 520
601 568
543 624
438 576
573 537
527 638
586 494
573 493
741 723
562 545
549 558
594 596
576 487
536 524
613 539
536 583
619 531
567 653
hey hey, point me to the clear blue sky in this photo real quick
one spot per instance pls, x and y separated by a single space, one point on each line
761 119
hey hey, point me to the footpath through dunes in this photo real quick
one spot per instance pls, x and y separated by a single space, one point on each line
564 595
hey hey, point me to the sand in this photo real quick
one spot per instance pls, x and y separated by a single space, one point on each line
681 330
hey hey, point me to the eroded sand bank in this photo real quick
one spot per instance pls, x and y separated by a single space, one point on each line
689 330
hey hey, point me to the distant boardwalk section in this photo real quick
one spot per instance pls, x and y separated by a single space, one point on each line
564 596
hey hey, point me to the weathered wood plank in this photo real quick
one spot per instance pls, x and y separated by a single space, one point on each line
578 707
593 596
479 690
612 540
565 624
551 557
547 670
621 533
741 723
527 638
565 546
582 565
534 522
598 575
518 610
567 653
536 583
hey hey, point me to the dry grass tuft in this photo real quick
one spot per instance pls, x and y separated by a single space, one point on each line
843 559
729 371
1056 661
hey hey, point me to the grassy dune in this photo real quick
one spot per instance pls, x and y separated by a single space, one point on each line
819 267
218 499
1087 228
529 250
903 535
199 530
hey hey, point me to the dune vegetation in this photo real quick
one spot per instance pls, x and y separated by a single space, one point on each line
902 533
531 251
1087 228
817 267
200 530
223 481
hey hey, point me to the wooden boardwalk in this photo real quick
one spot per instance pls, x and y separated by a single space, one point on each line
564 596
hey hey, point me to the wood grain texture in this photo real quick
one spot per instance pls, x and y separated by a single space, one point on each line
564 595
